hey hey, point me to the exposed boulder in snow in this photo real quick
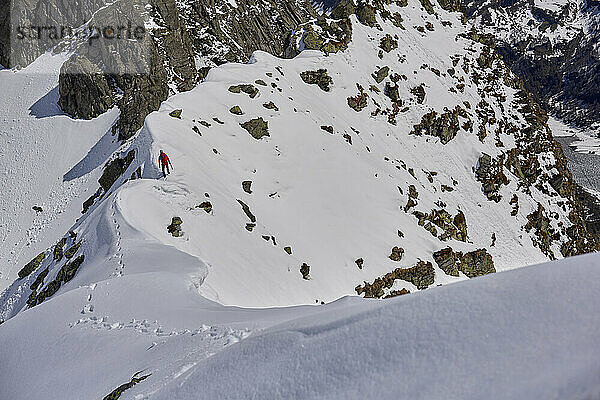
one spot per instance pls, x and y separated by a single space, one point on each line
175 228
318 77
257 128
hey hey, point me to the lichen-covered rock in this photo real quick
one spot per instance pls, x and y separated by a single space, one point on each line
58 249
257 128
72 250
318 77
388 43
446 261
476 263
249 89
68 271
419 92
324 34
176 113
31 265
206 206
381 74
39 280
236 110
444 126
452 227
490 172
545 234
358 102
270 106
397 254
116 394
175 227
421 275
396 293
305 271
247 211
366 14
472 264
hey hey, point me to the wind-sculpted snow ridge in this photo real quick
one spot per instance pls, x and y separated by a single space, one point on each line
403 159
380 170
498 337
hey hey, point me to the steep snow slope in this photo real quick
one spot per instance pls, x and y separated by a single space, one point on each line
40 162
374 184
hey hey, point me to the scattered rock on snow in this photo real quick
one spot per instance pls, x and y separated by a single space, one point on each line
305 271
257 127
175 227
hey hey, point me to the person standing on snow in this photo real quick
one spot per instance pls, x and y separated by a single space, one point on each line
164 162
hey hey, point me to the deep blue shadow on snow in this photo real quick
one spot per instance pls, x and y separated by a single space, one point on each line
94 158
47 106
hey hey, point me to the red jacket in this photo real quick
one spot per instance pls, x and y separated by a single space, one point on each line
164 159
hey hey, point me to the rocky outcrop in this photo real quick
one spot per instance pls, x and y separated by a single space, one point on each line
31 265
444 126
451 227
318 77
421 275
561 71
65 274
115 169
472 264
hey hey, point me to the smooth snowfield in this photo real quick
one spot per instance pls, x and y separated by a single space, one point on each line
47 160
529 333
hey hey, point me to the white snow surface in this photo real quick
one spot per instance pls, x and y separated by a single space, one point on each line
223 312
522 334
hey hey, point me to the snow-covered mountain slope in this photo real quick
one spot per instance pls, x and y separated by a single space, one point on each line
397 155
398 162
526 333
39 163
553 46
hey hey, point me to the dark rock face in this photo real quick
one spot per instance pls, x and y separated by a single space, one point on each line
65 274
215 32
563 74
58 249
31 266
444 126
84 90
71 251
115 169
397 253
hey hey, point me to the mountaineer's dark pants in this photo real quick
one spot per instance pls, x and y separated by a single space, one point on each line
163 170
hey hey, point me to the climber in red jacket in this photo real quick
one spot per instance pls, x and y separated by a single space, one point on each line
164 162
